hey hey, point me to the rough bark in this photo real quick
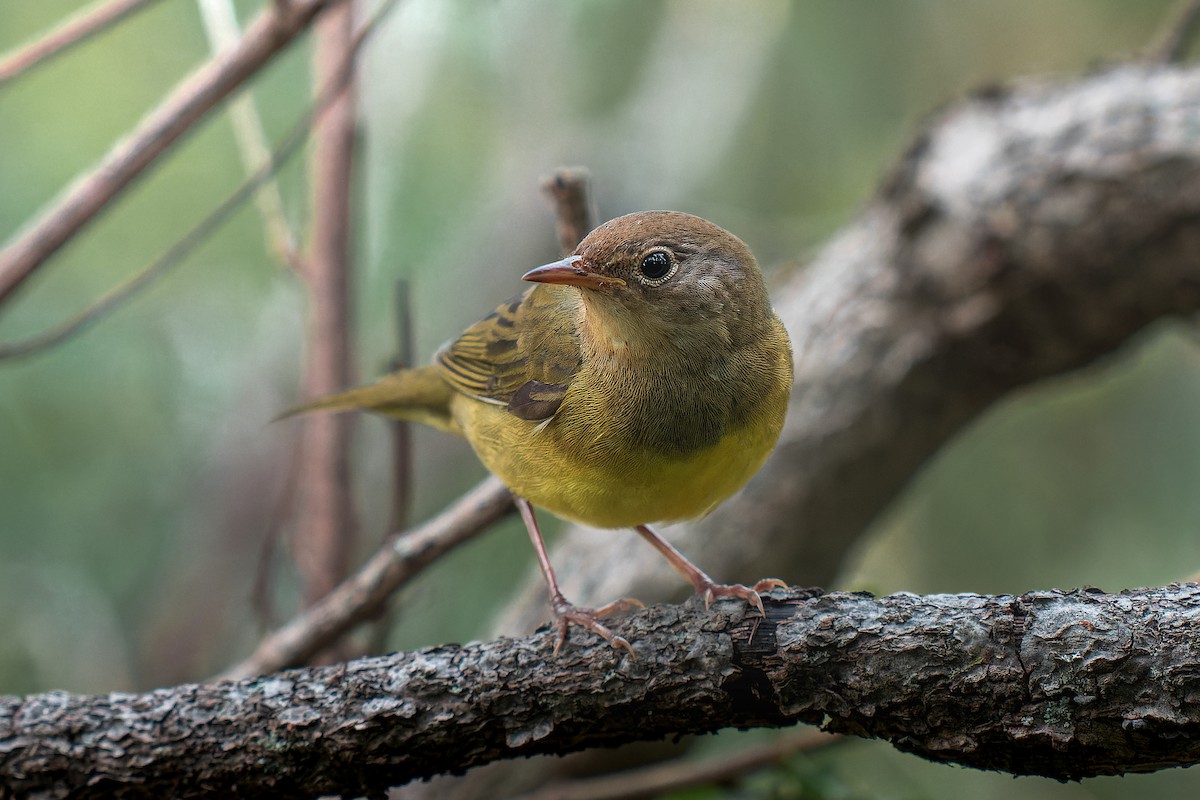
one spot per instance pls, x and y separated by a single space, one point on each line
1061 684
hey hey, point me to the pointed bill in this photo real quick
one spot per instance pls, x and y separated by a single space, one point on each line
571 271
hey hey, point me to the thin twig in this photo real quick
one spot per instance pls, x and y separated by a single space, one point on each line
261 600
401 441
189 102
401 431
325 531
674 776
74 29
1173 44
366 592
567 188
220 23
183 247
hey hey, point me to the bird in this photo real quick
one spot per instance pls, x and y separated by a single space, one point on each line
643 379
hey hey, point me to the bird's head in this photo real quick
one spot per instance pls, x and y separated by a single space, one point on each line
659 277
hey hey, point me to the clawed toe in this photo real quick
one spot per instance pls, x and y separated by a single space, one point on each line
619 606
711 590
589 618
564 611
767 584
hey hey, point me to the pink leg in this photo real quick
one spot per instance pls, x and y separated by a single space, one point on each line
706 586
565 611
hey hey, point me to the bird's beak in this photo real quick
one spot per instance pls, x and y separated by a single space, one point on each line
571 271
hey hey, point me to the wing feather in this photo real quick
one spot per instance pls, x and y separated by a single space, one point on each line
522 356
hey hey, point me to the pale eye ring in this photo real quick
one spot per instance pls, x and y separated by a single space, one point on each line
656 268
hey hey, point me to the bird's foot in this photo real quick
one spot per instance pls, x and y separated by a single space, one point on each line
711 590
589 618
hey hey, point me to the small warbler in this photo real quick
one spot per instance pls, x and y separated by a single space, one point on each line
644 379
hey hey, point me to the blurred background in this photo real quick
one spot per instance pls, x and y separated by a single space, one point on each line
140 474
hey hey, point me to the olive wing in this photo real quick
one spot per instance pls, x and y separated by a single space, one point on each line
522 356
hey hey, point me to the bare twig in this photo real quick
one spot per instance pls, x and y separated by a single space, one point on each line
325 532
175 254
366 592
188 103
1174 42
401 490
573 207
659 779
75 29
261 599
171 257
220 22
401 444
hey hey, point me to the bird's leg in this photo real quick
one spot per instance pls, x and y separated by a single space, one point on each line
706 587
564 610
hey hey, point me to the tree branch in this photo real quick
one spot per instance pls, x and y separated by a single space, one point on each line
1173 44
188 103
367 591
574 214
325 530
1060 684
77 28
221 25
198 234
656 780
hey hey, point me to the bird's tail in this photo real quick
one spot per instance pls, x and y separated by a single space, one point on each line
412 395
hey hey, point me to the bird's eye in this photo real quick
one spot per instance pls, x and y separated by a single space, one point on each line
656 267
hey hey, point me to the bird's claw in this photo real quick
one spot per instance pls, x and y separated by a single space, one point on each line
589 618
711 591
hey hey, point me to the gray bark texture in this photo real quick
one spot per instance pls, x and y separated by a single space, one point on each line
1026 233
1065 685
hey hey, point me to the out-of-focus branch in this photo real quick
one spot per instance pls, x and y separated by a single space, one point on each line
324 536
1179 34
366 592
401 450
175 254
77 28
154 135
574 211
220 22
656 780
401 431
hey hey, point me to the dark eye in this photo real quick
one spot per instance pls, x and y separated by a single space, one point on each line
656 265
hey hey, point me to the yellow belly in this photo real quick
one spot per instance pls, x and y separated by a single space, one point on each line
594 486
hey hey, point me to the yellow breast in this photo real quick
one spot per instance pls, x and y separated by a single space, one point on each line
576 465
